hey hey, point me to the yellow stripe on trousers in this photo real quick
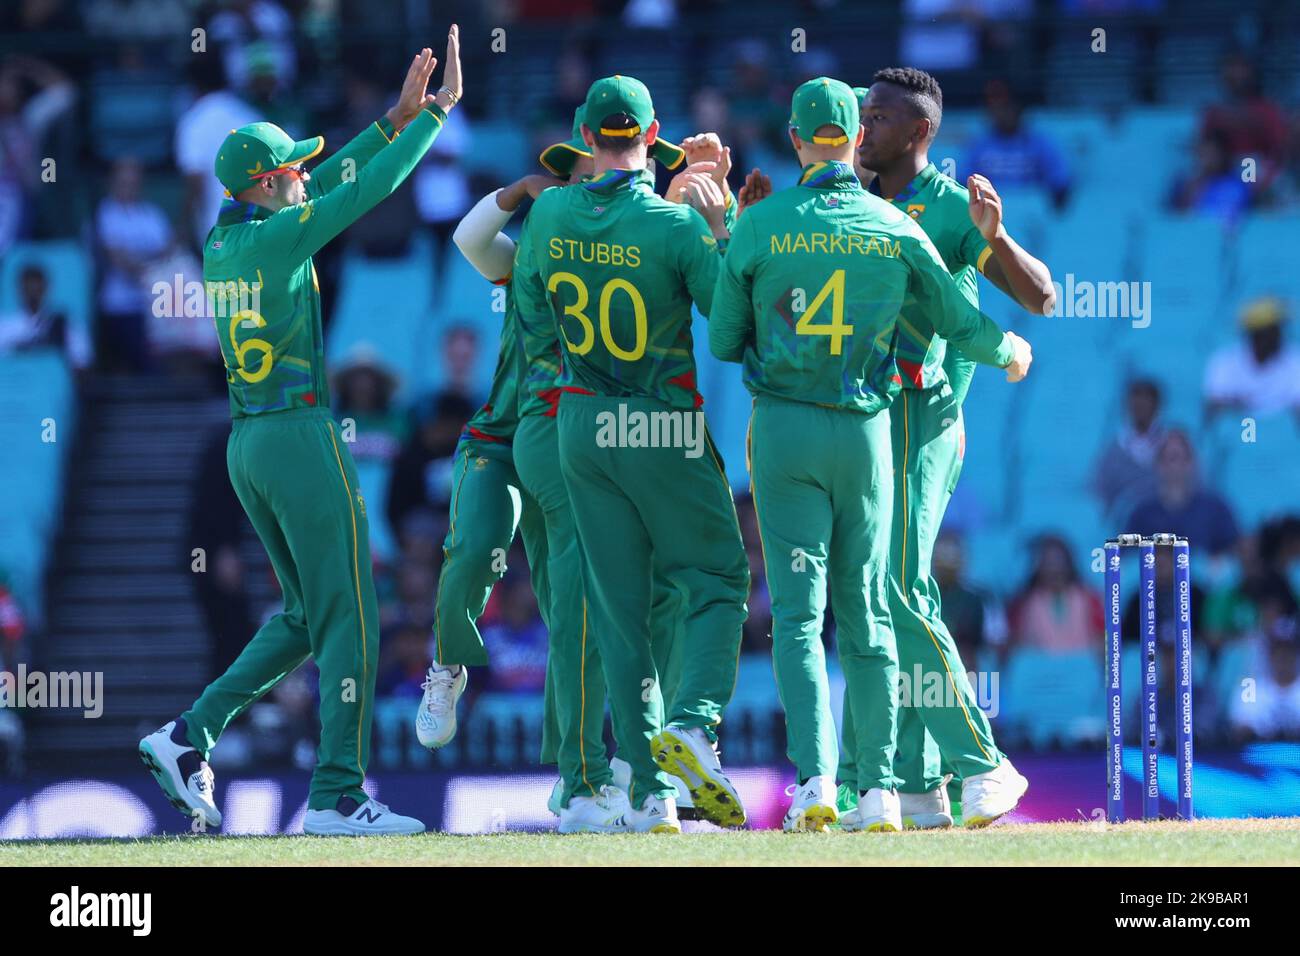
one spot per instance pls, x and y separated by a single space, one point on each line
356 577
906 586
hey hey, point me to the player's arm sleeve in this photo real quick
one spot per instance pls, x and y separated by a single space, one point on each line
480 240
936 296
731 315
296 232
699 258
352 158
532 310
960 369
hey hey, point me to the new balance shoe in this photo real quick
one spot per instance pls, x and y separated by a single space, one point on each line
353 818
926 811
435 722
987 796
604 812
687 752
813 807
877 811
184 776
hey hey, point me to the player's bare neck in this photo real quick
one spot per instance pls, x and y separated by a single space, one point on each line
895 179
633 159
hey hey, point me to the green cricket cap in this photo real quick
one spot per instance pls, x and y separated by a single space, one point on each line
621 106
558 158
251 152
824 102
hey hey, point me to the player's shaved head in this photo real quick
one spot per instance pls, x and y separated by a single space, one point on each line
918 89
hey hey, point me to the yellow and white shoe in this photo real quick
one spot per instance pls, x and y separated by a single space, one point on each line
987 796
877 812
687 752
605 812
657 815
813 808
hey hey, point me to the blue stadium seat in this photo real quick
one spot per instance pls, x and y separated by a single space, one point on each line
38 386
1259 478
381 303
1050 697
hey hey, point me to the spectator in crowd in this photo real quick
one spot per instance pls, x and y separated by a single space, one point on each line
949 34
363 388
130 231
758 106
13 627
1214 188
218 526
1055 611
460 362
182 340
36 324
1181 504
270 98
975 619
1011 154
1246 123
1260 374
442 193
199 134
516 640
239 27
1271 708
34 96
385 231
417 587
1124 472
421 482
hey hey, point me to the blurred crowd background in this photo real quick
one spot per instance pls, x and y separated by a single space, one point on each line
1168 157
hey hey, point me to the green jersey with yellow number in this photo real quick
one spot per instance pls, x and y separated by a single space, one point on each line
613 268
261 283
819 285
940 206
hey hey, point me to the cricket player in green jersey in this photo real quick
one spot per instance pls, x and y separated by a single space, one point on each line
292 473
901 113
488 501
613 268
820 283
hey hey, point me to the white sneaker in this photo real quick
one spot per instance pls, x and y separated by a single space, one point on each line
622 771
926 811
435 722
686 752
657 815
190 790
371 818
606 812
813 807
877 811
987 796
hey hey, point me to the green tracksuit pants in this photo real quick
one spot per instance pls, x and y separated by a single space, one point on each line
823 492
488 502
298 484
928 444
641 511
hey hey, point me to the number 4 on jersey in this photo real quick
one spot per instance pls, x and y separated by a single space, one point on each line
836 329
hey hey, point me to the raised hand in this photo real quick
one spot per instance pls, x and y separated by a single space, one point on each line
985 206
677 186
1022 358
450 93
756 188
708 148
509 198
414 96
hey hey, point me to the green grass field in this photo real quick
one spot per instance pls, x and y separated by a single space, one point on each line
1204 843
